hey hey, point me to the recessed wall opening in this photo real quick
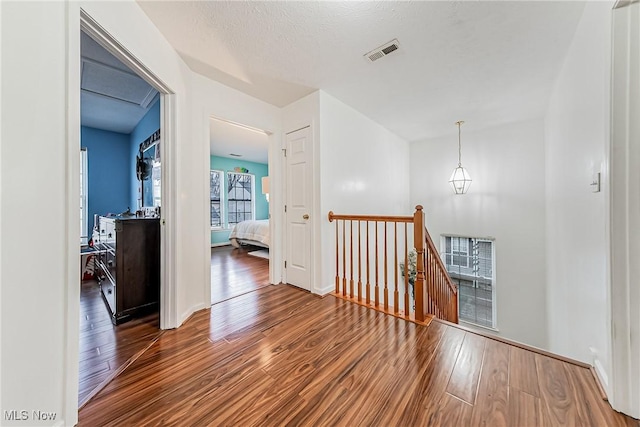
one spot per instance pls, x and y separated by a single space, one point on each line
239 208
125 117
120 204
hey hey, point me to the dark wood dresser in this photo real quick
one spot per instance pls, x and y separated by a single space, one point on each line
128 266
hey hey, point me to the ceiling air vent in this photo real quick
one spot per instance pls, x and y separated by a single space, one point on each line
382 51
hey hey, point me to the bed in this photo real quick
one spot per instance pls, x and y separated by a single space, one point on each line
251 233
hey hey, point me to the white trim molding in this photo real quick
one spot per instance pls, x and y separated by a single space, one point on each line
168 213
72 190
79 20
624 211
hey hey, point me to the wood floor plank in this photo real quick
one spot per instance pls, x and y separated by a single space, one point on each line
431 381
345 349
407 367
526 410
463 382
234 272
592 409
103 347
522 371
491 406
555 392
450 411
281 356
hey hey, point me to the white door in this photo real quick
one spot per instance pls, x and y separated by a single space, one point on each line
298 208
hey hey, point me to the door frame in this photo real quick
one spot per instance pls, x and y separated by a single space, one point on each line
314 218
276 200
79 19
168 291
623 210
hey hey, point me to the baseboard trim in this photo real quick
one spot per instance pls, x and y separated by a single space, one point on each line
601 379
324 291
518 344
187 314
219 245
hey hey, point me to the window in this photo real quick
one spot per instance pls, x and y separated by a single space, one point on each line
216 204
458 248
156 180
234 205
84 233
470 263
240 191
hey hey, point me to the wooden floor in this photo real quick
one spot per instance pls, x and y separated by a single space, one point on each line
104 348
281 356
235 272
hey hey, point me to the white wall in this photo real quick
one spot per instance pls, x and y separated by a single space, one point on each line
33 169
576 134
505 201
40 116
359 168
624 210
212 99
364 169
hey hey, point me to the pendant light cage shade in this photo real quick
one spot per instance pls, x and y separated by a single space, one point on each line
460 180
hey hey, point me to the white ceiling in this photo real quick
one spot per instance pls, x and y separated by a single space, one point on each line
483 62
112 97
227 139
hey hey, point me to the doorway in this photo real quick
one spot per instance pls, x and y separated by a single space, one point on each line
162 102
298 207
239 188
120 190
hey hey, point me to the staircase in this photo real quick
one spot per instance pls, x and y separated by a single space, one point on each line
390 263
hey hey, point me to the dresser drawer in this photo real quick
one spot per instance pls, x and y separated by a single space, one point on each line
109 293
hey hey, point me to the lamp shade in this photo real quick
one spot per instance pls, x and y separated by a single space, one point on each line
460 180
265 185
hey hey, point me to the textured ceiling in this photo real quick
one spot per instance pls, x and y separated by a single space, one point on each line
112 97
227 139
482 62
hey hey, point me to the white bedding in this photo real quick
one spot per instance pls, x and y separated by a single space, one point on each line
250 232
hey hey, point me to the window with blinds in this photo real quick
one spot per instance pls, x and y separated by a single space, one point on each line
240 191
216 200
84 232
470 263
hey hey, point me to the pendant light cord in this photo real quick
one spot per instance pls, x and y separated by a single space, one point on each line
459 145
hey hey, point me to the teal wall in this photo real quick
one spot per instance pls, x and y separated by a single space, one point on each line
259 170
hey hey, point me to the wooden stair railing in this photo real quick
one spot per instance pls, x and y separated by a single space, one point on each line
435 295
441 291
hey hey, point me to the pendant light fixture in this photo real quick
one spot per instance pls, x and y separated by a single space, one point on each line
460 179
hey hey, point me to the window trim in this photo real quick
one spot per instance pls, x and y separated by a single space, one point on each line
253 196
460 253
494 299
223 224
84 196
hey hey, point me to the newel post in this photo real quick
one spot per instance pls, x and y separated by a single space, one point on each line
419 285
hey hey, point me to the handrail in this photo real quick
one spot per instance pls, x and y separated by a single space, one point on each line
442 303
379 218
432 247
434 294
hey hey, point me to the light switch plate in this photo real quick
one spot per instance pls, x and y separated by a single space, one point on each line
595 182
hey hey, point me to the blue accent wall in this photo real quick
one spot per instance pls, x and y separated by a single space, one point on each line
108 171
143 130
259 170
